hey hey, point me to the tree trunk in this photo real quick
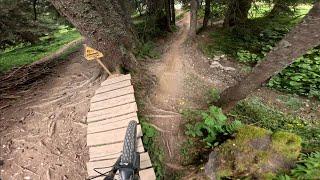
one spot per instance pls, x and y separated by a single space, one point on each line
168 14
278 8
207 12
237 12
173 13
295 44
193 18
34 5
106 26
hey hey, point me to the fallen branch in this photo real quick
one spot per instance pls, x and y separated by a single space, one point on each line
5 106
51 128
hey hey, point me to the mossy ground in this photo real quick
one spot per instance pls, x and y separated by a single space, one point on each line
257 152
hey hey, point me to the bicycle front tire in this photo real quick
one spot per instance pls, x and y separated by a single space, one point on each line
129 145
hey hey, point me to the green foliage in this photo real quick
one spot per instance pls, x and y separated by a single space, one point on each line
307 168
247 57
250 42
291 101
213 124
253 111
147 50
27 53
18 23
214 94
155 152
301 77
147 28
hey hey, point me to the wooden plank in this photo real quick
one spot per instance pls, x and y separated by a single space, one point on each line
109 137
147 174
111 151
114 86
145 163
112 94
116 79
129 98
112 112
102 126
114 118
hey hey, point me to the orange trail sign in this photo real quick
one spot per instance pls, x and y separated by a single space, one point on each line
93 54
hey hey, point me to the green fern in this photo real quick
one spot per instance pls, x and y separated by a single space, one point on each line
213 124
308 167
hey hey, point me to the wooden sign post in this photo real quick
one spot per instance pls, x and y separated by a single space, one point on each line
92 54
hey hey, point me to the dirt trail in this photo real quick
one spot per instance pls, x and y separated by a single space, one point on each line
42 127
184 77
174 93
170 73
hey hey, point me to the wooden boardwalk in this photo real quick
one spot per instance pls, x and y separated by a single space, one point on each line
111 109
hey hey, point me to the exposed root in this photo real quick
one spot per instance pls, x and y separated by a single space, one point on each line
161 116
49 102
160 110
5 106
159 129
51 128
48 174
175 166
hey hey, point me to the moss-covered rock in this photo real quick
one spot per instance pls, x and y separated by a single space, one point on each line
254 153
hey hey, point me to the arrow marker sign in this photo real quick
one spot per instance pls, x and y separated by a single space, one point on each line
93 54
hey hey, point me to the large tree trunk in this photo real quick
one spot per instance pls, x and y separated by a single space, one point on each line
237 12
193 18
173 12
168 14
106 25
207 12
303 37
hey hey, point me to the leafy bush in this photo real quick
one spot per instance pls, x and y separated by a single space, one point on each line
213 124
307 168
156 154
247 57
302 77
250 42
214 94
146 50
253 111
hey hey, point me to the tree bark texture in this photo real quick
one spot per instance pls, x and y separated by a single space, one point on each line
173 12
207 12
34 5
107 27
159 14
168 14
305 36
237 12
193 18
